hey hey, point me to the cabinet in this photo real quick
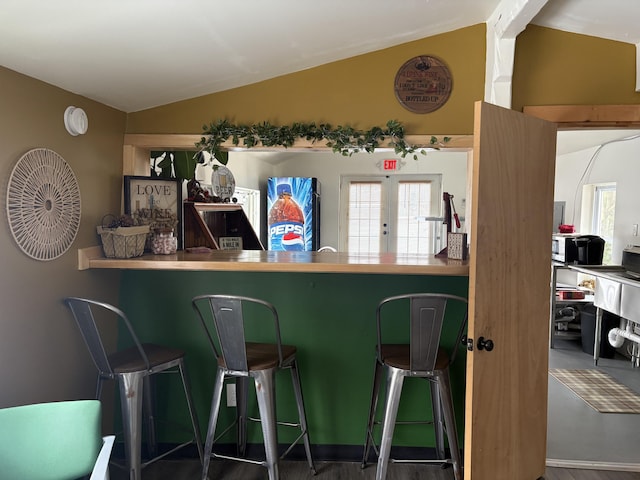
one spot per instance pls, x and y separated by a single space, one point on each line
218 226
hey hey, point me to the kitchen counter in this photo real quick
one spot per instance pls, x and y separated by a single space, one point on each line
270 261
611 272
617 291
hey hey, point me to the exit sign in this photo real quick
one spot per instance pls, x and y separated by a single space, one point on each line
390 164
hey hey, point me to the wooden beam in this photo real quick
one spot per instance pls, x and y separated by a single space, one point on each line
188 142
506 22
162 141
569 117
137 147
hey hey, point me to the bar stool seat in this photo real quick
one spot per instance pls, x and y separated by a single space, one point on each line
129 360
261 356
240 359
424 357
132 368
399 356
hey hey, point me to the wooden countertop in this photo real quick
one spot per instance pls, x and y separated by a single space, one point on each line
270 261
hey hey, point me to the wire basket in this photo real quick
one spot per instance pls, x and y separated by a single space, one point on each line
123 242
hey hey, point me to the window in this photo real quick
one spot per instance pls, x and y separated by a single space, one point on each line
390 213
604 212
365 216
598 214
413 207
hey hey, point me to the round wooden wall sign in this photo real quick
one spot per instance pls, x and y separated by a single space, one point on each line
423 84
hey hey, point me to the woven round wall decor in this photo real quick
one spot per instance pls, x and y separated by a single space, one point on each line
43 204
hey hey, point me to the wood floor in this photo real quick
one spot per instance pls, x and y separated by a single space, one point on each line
299 470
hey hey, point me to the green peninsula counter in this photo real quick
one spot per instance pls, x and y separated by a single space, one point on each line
326 302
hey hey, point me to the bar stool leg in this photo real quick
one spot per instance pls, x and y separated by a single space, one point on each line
242 392
297 388
395 379
265 391
375 391
193 415
148 415
99 387
450 422
213 420
438 426
131 387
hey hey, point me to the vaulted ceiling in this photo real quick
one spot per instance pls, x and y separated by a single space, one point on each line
137 55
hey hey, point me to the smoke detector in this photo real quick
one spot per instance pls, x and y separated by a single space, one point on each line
76 121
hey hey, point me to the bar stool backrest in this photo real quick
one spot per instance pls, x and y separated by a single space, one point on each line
426 318
227 315
83 312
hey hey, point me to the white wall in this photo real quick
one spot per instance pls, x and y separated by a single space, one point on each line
251 170
617 162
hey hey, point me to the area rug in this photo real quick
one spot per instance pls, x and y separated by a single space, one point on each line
599 390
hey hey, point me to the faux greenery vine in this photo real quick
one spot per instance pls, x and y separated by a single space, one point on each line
341 139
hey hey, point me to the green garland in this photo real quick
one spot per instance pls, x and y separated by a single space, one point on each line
341 139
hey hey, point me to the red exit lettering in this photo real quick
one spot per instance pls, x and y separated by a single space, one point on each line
390 164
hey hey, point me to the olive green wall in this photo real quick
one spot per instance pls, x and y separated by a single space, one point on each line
357 91
558 68
550 68
42 357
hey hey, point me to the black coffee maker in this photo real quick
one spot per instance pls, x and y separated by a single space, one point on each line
588 249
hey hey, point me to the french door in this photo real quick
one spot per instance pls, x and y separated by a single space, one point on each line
399 213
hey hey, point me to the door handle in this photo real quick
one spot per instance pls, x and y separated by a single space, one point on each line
482 344
485 344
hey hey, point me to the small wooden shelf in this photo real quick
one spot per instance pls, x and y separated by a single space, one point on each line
206 223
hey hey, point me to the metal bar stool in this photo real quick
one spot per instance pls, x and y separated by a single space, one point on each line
239 359
423 357
132 368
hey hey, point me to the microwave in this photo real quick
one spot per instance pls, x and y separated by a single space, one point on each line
577 249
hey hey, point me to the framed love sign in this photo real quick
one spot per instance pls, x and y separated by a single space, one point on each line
156 202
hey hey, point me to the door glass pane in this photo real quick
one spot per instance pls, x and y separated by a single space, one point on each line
365 213
414 204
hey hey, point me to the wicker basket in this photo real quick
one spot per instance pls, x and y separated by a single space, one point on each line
123 242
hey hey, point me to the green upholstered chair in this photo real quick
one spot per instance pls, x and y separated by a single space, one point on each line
54 441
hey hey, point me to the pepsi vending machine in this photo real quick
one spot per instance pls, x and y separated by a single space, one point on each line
293 213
